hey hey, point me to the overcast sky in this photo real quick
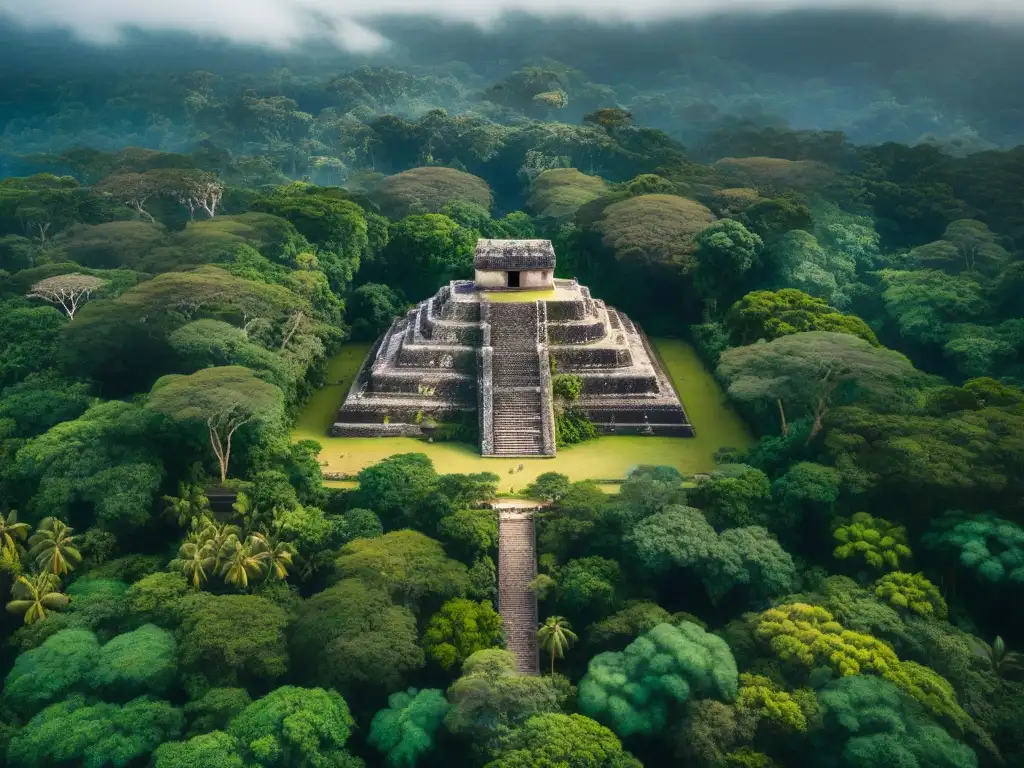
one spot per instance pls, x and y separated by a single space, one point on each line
283 23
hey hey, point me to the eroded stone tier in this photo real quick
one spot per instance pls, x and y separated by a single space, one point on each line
470 352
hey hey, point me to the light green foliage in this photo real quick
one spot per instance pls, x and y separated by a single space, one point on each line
558 193
208 750
988 545
770 314
295 727
404 731
878 542
925 302
734 494
45 674
136 663
855 607
396 487
351 636
157 598
869 723
233 638
567 386
770 703
681 537
75 732
553 740
491 696
411 566
809 636
427 190
633 690
911 592
460 629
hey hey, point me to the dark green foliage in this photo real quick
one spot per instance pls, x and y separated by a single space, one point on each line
372 309
77 732
991 547
405 731
490 695
396 487
633 690
215 709
234 638
352 637
412 567
869 722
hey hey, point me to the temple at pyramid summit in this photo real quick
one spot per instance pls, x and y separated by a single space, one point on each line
483 349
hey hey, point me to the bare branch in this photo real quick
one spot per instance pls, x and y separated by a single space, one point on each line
67 291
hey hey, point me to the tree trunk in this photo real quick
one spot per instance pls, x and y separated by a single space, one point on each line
819 414
782 417
552 659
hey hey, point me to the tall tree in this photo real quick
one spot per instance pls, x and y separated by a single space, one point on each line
807 370
69 292
224 398
556 637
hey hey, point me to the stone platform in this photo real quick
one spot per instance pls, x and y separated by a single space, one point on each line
467 351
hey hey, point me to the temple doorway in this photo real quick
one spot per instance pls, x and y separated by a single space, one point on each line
513 279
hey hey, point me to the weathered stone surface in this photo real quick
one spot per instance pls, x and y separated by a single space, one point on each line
458 353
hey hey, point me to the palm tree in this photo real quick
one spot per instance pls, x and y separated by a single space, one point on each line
556 636
196 559
188 506
241 563
12 533
34 598
53 547
277 556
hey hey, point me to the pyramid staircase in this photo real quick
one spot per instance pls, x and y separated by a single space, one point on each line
517 404
517 603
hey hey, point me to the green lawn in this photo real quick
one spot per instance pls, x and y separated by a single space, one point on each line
606 458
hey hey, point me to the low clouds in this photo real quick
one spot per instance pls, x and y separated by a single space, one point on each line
286 23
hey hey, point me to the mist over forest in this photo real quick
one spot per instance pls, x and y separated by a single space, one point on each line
875 77
520 384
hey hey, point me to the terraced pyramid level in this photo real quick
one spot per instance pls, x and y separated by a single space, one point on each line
461 355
